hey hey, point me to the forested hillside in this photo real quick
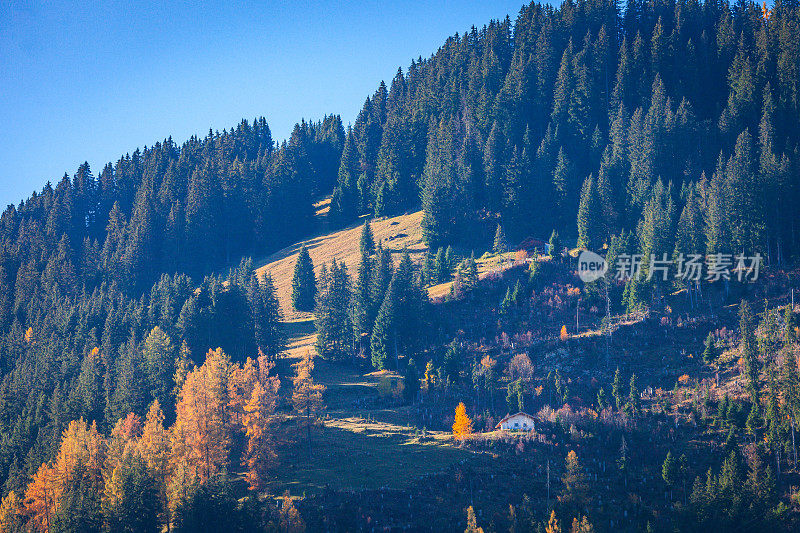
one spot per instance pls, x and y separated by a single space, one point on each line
525 121
144 381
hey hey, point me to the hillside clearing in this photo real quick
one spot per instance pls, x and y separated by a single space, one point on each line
395 234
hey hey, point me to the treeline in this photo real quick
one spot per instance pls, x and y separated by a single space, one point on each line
166 208
97 307
685 108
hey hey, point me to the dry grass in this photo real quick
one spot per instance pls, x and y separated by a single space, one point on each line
394 233
494 263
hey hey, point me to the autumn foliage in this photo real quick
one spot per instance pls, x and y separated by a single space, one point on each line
142 460
462 425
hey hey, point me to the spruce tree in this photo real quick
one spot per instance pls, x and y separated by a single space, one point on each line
589 217
616 388
747 329
500 244
333 322
304 283
710 351
367 242
555 246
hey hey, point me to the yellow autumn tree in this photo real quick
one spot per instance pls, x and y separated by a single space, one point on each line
41 498
183 474
258 412
306 395
564 333
581 526
121 445
10 513
291 521
552 524
472 522
124 435
155 451
81 453
462 425
203 418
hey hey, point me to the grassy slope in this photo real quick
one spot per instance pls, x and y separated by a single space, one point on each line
394 233
355 447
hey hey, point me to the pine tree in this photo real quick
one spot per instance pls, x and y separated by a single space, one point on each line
304 283
790 335
634 405
442 269
669 470
616 389
553 525
574 493
258 412
411 383
554 244
362 325
500 244
562 178
367 242
267 315
154 449
709 352
333 321
590 234
201 434
159 358
748 347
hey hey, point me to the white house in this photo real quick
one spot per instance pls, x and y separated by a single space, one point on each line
517 422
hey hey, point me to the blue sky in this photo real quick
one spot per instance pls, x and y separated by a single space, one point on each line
90 81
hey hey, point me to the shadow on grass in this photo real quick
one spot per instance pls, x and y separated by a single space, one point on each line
355 458
298 328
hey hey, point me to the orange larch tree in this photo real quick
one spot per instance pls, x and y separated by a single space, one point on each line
462 425
202 415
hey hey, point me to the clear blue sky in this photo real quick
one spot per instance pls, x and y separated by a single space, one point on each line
90 81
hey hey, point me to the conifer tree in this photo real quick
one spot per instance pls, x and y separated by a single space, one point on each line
669 470
616 389
589 221
307 395
411 382
790 335
748 347
472 522
709 352
634 405
304 283
462 425
500 244
555 245
362 325
333 320
367 242
442 269
574 493
159 358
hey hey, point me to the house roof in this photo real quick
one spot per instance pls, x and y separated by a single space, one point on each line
531 242
512 416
